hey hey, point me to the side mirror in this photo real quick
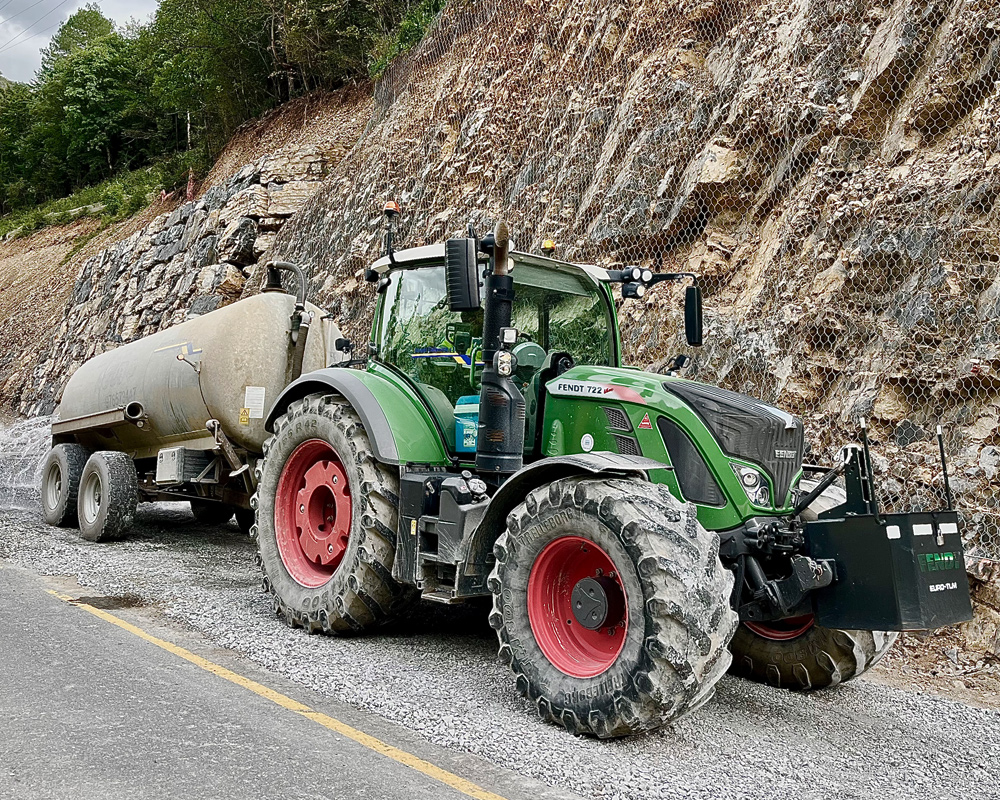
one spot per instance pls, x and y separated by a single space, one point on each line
692 315
462 273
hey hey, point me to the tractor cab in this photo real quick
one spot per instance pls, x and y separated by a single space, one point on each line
564 315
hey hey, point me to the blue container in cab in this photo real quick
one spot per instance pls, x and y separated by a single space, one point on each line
466 423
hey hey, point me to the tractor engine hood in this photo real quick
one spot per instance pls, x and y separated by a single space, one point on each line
747 429
744 429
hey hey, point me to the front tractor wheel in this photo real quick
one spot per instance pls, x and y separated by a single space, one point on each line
326 521
611 605
797 653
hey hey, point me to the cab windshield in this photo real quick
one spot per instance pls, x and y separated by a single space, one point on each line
440 351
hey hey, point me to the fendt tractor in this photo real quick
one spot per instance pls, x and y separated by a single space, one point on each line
639 533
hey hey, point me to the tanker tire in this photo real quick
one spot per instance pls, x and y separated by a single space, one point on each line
820 657
209 512
246 518
111 510
61 483
673 581
361 594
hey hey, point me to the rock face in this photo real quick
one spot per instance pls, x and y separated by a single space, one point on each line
186 262
829 169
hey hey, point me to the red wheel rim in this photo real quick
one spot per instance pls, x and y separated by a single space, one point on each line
312 513
783 630
567 644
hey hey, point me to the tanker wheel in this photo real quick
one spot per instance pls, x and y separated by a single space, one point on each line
210 512
611 605
61 483
326 521
108 496
797 653
245 518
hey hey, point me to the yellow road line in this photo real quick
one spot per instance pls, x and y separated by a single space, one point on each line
401 756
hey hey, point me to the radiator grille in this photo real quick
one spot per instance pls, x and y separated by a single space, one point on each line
627 445
617 419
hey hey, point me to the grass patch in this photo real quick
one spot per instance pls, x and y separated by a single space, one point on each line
412 28
112 200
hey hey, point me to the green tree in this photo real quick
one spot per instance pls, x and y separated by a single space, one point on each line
85 27
15 190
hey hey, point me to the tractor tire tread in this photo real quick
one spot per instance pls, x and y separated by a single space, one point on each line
369 597
686 596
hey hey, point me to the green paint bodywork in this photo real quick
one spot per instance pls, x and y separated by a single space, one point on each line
568 419
414 431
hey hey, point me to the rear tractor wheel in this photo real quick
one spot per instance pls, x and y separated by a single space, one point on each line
61 475
326 521
799 654
108 496
611 605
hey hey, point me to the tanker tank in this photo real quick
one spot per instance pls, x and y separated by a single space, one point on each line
161 390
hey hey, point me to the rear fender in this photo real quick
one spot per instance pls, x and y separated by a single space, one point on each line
399 427
479 547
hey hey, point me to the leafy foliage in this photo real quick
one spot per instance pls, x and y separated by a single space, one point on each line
110 201
109 101
410 31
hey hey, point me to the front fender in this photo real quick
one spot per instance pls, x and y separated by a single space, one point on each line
517 486
399 427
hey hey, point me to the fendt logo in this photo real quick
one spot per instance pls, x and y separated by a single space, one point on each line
937 562
785 454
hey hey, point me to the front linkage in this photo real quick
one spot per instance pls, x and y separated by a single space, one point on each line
852 567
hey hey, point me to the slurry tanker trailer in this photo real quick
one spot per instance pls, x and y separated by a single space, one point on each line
638 533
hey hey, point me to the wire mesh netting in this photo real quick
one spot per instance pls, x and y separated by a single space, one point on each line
829 169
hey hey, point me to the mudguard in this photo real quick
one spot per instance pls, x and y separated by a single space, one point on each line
473 570
399 427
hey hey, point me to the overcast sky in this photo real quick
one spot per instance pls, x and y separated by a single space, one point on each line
27 25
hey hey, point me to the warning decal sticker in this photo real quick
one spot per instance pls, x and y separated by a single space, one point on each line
253 402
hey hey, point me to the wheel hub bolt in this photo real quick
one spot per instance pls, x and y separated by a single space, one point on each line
597 603
302 509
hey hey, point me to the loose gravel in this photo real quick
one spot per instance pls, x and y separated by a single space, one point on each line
437 673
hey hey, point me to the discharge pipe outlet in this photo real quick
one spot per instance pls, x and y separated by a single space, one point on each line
301 319
273 282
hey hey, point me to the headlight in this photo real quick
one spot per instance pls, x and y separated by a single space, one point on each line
754 485
506 363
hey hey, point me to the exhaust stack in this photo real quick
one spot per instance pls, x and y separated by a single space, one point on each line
500 444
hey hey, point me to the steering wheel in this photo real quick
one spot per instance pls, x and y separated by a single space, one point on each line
530 356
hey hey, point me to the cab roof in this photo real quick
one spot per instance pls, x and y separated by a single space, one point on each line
433 255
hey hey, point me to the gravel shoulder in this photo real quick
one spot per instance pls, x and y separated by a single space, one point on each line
436 673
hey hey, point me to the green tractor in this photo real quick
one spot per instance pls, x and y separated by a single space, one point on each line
639 534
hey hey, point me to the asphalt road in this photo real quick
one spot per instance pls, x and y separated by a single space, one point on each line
89 709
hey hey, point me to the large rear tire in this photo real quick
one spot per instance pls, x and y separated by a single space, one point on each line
327 521
611 605
108 496
797 653
61 475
